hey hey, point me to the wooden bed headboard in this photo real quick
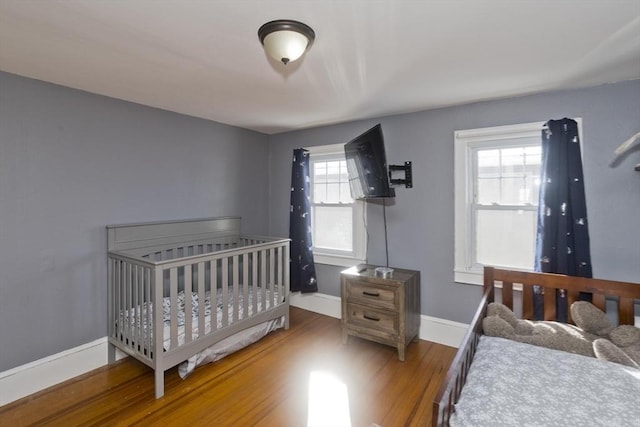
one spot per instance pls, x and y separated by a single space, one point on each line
623 294
153 234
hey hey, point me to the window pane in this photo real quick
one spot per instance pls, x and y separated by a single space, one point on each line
345 193
333 192
488 190
505 238
488 163
319 193
333 171
511 190
319 172
333 228
344 175
508 176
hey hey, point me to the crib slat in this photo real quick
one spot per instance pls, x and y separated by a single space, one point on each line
121 303
173 301
149 314
138 307
225 293
110 318
272 278
201 298
285 290
213 287
127 303
254 281
236 287
263 278
157 324
117 307
245 285
188 304
132 305
277 289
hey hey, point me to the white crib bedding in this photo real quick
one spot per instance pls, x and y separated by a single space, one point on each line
220 349
516 384
229 345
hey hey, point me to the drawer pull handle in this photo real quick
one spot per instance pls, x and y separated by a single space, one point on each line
375 319
370 294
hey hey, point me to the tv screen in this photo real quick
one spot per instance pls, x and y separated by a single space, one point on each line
367 165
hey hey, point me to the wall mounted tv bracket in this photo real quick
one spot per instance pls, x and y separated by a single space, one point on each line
408 175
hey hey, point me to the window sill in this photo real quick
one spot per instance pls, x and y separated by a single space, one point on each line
341 261
471 277
468 277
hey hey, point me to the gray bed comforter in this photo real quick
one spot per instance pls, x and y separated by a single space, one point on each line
516 384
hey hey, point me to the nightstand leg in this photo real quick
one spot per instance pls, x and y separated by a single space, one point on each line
345 337
401 352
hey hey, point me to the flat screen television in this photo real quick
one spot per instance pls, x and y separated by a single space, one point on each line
367 165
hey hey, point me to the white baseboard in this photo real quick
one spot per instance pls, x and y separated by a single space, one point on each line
433 329
32 377
318 303
442 331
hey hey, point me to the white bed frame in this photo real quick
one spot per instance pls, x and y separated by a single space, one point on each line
149 262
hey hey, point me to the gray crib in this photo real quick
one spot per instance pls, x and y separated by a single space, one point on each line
177 288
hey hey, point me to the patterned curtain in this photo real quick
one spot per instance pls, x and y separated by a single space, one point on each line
302 268
562 242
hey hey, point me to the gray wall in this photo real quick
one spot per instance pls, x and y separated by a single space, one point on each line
71 163
420 220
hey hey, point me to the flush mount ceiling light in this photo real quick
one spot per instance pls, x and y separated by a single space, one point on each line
285 40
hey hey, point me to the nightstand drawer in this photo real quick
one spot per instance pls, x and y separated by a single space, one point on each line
371 294
372 319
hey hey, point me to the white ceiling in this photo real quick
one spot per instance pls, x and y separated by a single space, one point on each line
370 58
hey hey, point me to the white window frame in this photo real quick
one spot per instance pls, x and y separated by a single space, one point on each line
465 270
340 258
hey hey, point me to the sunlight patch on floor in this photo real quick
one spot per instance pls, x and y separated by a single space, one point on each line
328 401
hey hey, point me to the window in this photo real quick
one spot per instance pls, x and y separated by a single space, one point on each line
497 182
337 221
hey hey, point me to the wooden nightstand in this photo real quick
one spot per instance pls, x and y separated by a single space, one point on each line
385 310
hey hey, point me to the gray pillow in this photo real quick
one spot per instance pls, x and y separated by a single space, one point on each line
606 350
590 318
625 335
501 310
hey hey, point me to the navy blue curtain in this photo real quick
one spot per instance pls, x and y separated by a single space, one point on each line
562 242
302 268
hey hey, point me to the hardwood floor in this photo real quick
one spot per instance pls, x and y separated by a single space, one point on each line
265 384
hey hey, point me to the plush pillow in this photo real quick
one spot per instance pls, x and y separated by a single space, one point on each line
590 318
625 335
627 338
525 327
559 336
606 350
502 311
495 326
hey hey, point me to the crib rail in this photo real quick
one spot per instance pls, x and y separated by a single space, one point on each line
183 275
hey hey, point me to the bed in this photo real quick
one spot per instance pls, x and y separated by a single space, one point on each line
190 292
480 387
